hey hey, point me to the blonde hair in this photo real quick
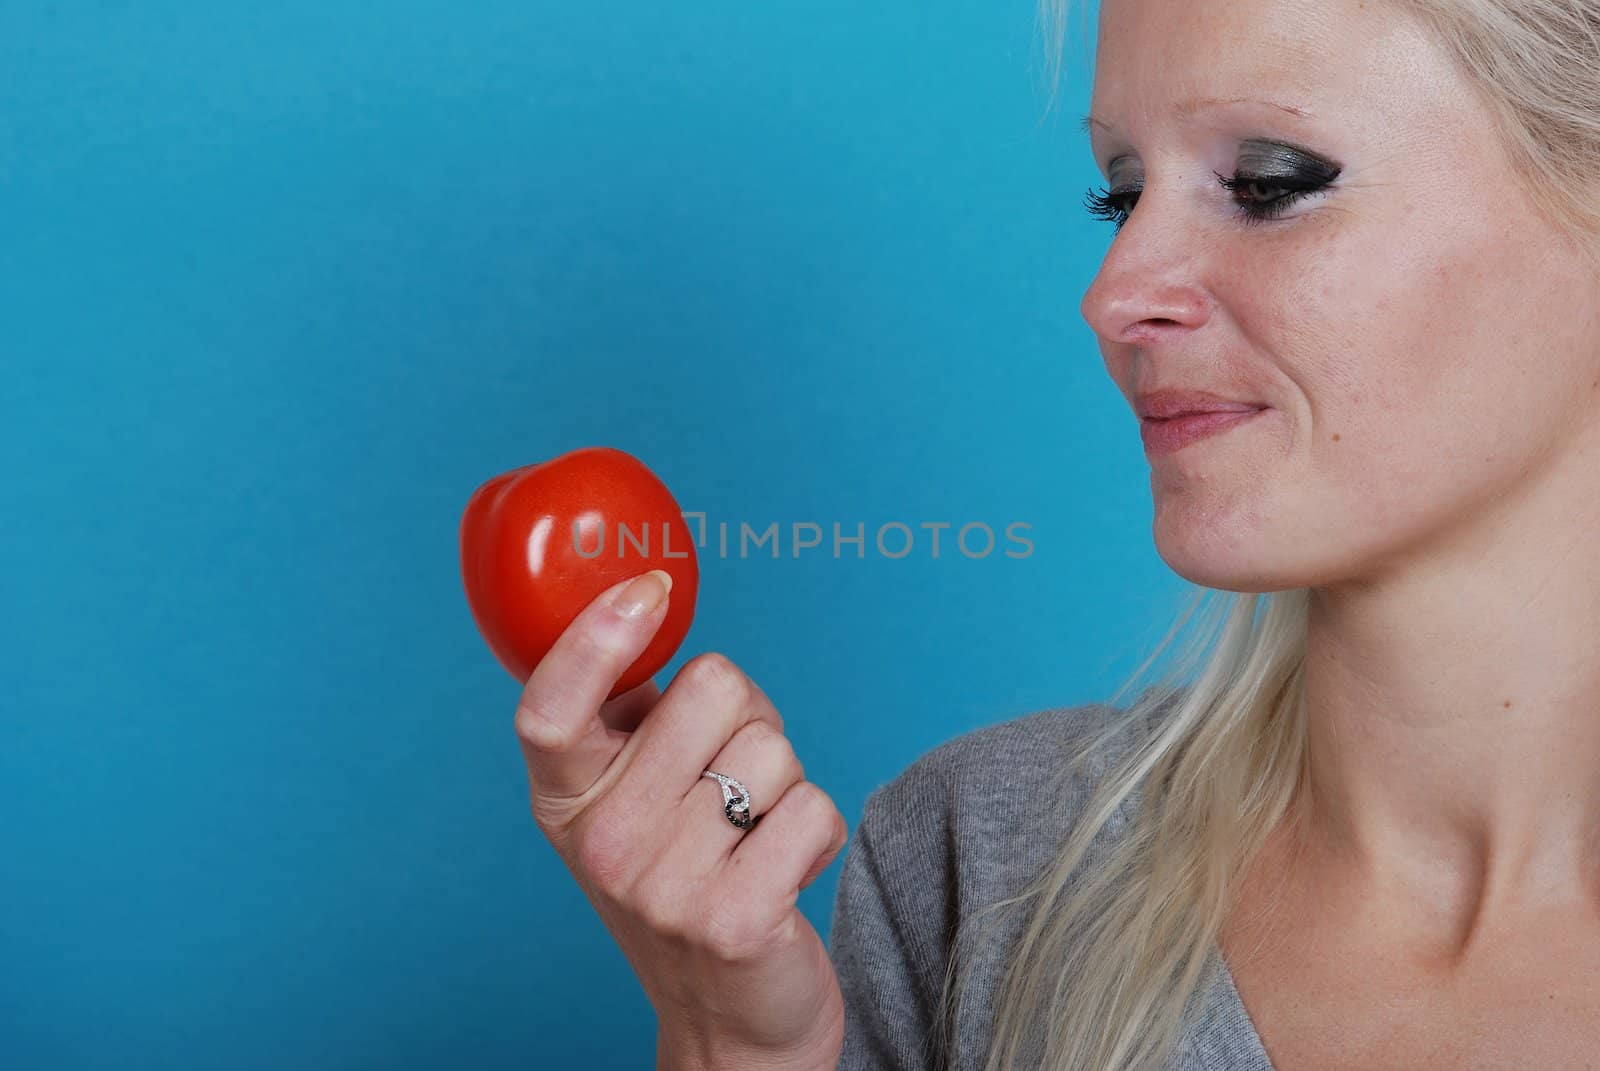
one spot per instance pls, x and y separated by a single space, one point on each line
1113 953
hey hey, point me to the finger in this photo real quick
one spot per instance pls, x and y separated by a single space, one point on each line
841 837
784 852
708 701
564 740
761 759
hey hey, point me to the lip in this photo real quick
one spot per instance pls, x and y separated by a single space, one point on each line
1166 436
1166 404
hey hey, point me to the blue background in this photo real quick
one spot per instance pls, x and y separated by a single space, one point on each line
281 284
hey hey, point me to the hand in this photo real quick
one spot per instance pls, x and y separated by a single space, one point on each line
704 912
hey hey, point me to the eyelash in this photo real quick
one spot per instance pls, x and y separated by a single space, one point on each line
1104 205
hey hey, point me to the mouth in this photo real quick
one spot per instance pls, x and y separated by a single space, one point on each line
1168 434
1239 407
1172 403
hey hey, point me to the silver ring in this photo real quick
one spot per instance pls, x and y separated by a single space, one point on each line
735 800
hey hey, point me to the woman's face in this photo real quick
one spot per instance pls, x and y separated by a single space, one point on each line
1426 344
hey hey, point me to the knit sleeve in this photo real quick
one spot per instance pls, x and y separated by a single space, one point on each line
962 827
885 939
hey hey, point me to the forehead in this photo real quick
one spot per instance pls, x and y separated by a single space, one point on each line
1173 58
1170 61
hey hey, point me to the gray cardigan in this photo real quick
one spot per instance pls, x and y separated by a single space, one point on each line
964 825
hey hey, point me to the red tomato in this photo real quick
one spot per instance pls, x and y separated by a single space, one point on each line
540 542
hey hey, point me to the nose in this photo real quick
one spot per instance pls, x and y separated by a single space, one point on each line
1149 287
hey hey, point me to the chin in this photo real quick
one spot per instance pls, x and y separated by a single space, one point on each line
1226 549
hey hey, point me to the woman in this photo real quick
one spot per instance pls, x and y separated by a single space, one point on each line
1361 832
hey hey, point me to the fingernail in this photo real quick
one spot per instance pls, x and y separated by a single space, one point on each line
643 594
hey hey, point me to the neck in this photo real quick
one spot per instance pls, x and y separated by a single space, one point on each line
1453 709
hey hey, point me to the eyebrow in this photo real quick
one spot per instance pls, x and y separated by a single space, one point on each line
1189 107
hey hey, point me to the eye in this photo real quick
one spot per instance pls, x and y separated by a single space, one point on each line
1258 202
1261 197
1107 206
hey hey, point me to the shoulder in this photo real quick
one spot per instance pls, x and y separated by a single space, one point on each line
964 825
1007 774
973 818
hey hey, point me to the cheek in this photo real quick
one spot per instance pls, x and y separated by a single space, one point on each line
1354 356
1406 380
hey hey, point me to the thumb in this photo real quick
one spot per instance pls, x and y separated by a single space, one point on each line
566 743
